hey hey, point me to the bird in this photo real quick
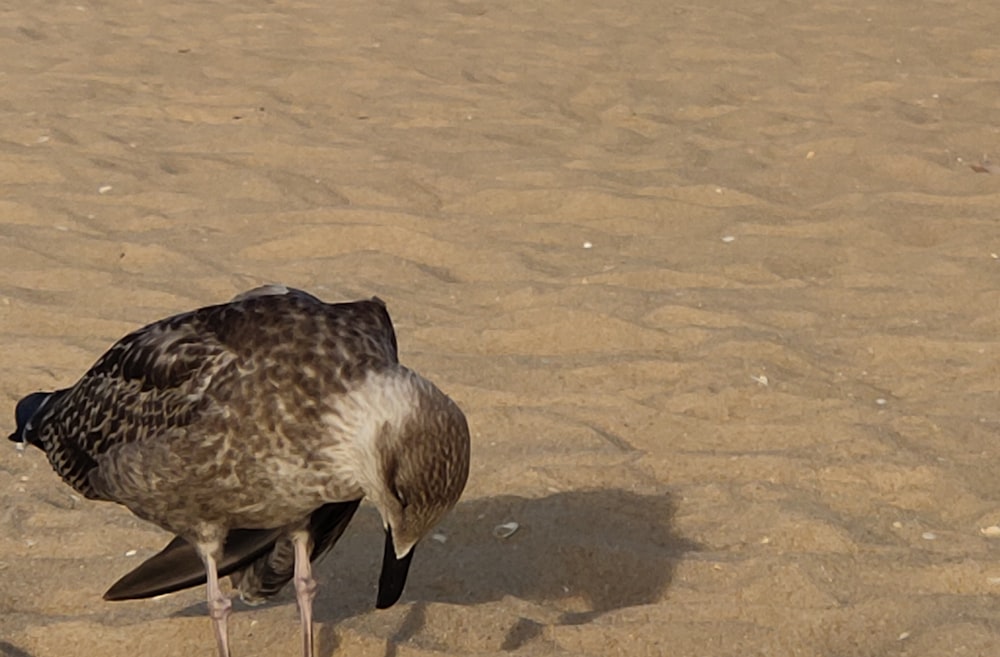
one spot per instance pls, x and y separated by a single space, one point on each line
252 430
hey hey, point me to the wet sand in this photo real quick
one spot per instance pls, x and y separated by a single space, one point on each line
717 288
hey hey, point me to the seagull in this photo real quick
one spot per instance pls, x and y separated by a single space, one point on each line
252 430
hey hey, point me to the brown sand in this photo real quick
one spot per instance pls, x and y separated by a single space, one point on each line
759 416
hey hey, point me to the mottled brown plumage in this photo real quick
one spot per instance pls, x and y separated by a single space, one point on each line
252 430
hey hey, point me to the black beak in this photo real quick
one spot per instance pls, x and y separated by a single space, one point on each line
393 577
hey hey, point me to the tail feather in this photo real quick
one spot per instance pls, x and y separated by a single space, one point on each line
260 561
178 566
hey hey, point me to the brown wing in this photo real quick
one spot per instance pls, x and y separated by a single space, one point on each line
148 382
163 377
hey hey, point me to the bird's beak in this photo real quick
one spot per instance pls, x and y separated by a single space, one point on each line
393 577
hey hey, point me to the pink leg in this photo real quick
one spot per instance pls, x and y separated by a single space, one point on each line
305 588
219 606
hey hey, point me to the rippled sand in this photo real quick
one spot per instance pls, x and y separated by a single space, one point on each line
757 416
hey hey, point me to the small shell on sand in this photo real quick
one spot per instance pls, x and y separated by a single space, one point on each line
506 530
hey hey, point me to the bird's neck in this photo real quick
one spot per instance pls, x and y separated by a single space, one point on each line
369 419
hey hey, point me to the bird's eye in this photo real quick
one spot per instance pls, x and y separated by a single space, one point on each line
398 494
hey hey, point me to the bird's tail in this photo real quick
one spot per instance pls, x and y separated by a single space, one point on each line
27 409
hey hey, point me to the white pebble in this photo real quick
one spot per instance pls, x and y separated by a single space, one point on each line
992 531
131 553
104 189
904 636
928 536
439 537
881 401
728 238
588 245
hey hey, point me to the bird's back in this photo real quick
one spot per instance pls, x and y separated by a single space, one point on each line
261 359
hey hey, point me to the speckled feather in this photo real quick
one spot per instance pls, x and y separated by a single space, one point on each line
193 370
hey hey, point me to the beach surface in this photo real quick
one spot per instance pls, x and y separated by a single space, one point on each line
718 288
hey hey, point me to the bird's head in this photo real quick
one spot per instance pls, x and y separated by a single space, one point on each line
422 470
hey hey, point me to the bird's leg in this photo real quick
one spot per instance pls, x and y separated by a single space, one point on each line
219 606
305 588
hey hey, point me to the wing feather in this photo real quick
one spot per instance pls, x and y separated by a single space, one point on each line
163 377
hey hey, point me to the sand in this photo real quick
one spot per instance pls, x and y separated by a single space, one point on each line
717 287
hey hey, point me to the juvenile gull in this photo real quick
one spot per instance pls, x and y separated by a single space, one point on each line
252 430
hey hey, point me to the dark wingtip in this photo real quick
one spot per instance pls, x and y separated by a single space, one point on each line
179 566
173 568
393 577
24 411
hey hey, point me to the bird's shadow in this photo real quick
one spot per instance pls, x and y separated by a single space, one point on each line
583 553
10 650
